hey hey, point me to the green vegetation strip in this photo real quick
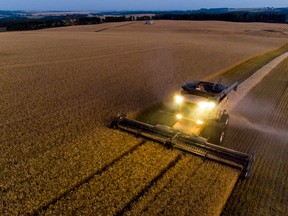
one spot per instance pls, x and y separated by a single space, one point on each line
243 70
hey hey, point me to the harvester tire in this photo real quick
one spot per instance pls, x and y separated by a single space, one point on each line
207 130
225 119
217 135
113 124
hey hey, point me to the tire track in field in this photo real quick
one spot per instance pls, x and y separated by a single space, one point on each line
105 29
129 205
170 184
60 180
157 187
186 192
21 166
171 199
119 184
87 179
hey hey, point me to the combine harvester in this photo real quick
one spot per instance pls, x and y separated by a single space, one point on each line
200 125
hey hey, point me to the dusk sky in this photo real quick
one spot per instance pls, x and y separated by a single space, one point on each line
102 5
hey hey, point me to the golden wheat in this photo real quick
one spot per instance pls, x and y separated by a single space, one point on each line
59 88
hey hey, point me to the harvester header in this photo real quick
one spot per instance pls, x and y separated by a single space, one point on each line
199 125
173 138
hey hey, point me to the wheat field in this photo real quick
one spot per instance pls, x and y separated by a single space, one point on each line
59 89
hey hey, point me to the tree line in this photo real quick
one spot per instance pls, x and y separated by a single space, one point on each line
231 16
60 21
52 22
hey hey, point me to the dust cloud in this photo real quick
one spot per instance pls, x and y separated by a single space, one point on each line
239 121
241 103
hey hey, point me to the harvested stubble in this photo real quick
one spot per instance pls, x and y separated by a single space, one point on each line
260 123
60 86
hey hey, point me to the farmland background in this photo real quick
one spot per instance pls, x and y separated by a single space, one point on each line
59 88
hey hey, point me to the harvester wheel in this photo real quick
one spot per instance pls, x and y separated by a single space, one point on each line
225 119
206 131
113 124
217 135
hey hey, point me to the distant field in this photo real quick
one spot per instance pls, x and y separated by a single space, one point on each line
59 89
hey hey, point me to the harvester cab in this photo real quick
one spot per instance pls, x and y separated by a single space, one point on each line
200 125
198 110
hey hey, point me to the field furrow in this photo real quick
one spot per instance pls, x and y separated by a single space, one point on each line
165 184
197 188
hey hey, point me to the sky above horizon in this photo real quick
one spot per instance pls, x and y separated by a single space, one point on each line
100 5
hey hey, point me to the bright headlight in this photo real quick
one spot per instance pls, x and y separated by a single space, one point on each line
206 105
203 105
178 99
212 105
199 122
179 116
